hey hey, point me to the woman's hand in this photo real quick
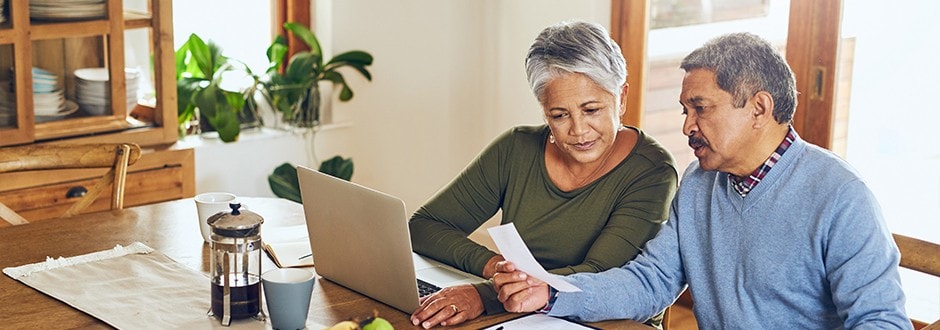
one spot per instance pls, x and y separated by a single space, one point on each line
490 268
518 291
450 306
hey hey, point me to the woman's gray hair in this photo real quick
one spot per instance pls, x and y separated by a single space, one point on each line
745 64
576 47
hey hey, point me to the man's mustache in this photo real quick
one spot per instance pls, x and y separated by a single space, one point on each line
696 142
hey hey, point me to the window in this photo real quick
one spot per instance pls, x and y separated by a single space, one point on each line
890 131
242 28
667 45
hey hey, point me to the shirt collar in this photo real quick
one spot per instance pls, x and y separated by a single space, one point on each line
744 185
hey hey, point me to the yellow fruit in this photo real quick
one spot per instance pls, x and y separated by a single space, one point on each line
345 325
378 324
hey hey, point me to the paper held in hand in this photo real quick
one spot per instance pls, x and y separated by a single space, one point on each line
512 248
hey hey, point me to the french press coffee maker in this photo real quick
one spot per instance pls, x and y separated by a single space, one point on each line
235 259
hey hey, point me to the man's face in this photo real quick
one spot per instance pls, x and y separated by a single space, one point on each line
719 133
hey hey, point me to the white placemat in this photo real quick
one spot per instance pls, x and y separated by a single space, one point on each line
132 287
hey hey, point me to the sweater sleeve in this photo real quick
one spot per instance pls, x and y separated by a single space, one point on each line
861 261
441 227
638 290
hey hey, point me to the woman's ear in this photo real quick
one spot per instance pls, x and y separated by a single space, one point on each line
623 98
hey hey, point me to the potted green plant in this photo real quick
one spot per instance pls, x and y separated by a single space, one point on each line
200 67
294 94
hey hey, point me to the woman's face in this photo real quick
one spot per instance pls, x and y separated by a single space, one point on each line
584 117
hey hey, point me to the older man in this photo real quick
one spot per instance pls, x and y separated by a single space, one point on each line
767 230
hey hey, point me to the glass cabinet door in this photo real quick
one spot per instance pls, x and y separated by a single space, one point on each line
81 86
8 114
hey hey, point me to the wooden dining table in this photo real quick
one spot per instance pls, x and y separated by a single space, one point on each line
171 228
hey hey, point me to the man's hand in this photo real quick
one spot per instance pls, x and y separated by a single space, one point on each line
450 306
518 291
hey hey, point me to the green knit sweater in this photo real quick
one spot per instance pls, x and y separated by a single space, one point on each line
590 229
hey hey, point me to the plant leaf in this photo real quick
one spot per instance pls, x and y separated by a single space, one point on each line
201 56
345 93
235 100
216 60
276 53
185 88
307 36
353 56
362 70
338 167
356 59
301 68
284 183
213 104
180 58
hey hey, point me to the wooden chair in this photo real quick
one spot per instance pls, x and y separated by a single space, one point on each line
924 257
115 156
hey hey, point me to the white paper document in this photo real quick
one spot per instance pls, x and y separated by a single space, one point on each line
512 248
538 321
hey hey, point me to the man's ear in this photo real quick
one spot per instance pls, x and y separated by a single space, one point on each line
763 109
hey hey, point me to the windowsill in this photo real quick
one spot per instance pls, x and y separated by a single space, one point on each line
254 134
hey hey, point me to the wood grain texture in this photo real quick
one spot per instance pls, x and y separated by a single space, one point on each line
158 176
924 257
62 47
114 156
813 52
171 228
46 157
629 28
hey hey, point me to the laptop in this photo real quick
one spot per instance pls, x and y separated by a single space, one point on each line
359 239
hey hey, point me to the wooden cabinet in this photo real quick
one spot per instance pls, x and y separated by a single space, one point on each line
159 175
59 47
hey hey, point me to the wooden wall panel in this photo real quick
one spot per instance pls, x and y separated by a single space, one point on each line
629 27
813 51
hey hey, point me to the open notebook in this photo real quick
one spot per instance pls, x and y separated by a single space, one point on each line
288 246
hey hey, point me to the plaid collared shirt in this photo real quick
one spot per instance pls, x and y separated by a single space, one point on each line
745 185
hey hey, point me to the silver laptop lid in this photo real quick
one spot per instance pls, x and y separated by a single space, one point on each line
359 238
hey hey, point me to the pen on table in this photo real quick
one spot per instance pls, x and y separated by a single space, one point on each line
499 328
308 255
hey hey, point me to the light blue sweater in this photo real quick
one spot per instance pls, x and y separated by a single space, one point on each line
806 249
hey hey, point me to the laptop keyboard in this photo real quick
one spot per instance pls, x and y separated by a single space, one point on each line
425 288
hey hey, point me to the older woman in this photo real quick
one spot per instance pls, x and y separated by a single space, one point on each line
584 191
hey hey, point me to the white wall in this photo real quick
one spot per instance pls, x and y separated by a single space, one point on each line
448 77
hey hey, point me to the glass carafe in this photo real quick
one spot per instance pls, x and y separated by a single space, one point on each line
235 259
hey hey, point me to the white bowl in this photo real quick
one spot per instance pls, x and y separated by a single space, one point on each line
102 75
92 74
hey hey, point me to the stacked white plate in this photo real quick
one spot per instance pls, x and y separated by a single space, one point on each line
49 101
67 10
93 89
